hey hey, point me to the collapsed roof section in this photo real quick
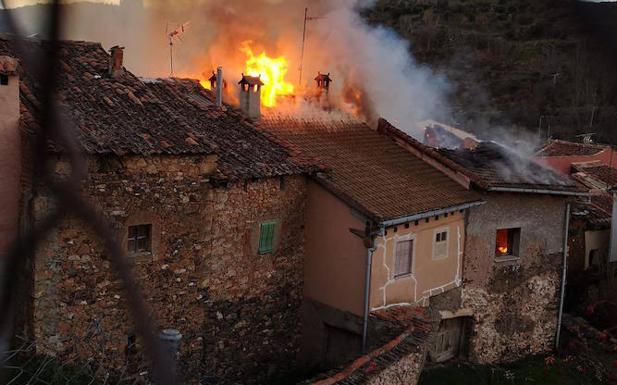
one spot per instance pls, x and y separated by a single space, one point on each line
488 166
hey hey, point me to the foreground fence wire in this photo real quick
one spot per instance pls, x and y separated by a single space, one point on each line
66 192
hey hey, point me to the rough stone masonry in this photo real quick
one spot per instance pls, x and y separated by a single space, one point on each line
237 310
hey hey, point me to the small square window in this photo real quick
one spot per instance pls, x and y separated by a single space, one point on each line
440 246
507 242
4 80
403 258
139 239
266 237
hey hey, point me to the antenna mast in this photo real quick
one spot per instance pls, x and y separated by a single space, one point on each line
172 36
306 18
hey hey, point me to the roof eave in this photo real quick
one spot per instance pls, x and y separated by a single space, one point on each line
428 214
537 191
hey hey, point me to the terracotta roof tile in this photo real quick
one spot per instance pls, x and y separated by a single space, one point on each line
367 169
491 166
565 148
597 174
128 115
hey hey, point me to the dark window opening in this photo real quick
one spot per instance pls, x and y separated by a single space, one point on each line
507 242
140 239
4 80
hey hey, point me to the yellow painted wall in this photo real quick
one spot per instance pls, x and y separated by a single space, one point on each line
429 276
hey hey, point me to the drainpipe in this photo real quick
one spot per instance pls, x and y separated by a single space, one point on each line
563 276
367 291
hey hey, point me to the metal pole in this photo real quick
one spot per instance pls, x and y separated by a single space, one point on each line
367 293
171 57
563 276
302 51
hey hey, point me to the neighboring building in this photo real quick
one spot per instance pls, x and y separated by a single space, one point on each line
374 206
209 211
513 254
560 155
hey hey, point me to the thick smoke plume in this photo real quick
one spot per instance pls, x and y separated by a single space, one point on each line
374 73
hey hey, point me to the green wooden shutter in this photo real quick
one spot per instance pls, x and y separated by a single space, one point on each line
266 237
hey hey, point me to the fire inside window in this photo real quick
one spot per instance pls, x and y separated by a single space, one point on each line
507 242
139 239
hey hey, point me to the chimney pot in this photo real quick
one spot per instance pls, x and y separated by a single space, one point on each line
219 86
250 95
116 61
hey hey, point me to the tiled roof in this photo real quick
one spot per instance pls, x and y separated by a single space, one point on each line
597 212
595 175
244 151
411 340
565 148
367 169
492 167
128 115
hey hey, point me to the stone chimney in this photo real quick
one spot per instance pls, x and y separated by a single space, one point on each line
116 61
323 82
250 95
10 148
217 85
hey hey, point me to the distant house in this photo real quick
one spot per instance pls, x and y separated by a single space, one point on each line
561 154
384 229
513 256
208 210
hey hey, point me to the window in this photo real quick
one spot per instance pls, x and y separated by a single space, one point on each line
266 237
403 258
440 246
140 239
4 80
507 242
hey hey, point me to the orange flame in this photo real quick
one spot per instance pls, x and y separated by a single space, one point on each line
272 72
502 250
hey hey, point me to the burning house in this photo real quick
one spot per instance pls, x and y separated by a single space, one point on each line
514 251
209 212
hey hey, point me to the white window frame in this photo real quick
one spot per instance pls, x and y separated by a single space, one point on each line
413 257
447 242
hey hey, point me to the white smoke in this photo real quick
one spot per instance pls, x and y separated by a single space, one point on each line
372 66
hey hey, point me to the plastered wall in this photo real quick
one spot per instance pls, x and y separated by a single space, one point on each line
430 275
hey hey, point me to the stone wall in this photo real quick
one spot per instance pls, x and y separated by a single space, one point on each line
252 321
238 311
514 302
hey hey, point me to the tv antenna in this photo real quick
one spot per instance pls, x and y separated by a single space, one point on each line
306 19
173 36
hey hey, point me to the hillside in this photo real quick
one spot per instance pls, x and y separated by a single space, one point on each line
531 63
544 65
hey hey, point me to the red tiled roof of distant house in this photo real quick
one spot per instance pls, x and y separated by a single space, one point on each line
596 174
490 166
124 114
565 148
367 169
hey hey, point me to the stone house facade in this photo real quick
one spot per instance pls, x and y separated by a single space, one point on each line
209 211
508 304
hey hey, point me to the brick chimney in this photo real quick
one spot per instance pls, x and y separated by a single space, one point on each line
250 95
10 148
116 61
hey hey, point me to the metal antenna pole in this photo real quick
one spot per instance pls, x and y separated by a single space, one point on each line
171 57
303 42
